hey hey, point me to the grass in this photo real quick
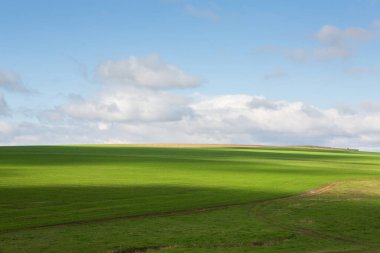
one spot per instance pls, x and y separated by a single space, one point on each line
44 186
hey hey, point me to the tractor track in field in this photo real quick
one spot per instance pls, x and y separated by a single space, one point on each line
303 231
313 192
261 215
258 243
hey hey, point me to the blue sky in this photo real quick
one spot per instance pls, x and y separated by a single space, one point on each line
321 54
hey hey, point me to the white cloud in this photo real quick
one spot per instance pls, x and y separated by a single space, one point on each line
148 72
258 114
122 112
131 92
129 105
12 82
220 119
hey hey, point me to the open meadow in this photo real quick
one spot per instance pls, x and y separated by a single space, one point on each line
188 199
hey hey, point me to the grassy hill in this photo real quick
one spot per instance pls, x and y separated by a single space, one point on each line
188 199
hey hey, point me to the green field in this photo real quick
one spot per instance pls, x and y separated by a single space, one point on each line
220 199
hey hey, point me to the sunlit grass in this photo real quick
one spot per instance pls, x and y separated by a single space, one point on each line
42 186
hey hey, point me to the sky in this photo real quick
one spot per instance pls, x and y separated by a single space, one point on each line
181 71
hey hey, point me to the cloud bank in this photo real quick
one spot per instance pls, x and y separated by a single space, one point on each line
221 119
137 104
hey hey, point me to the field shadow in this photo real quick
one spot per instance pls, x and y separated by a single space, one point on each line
23 207
72 155
334 218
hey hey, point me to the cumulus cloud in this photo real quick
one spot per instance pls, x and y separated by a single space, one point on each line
148 72
130 105
129 108
258 114
220 119
133 90
12 82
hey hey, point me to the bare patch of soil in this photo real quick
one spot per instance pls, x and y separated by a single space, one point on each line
271 241
140 249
